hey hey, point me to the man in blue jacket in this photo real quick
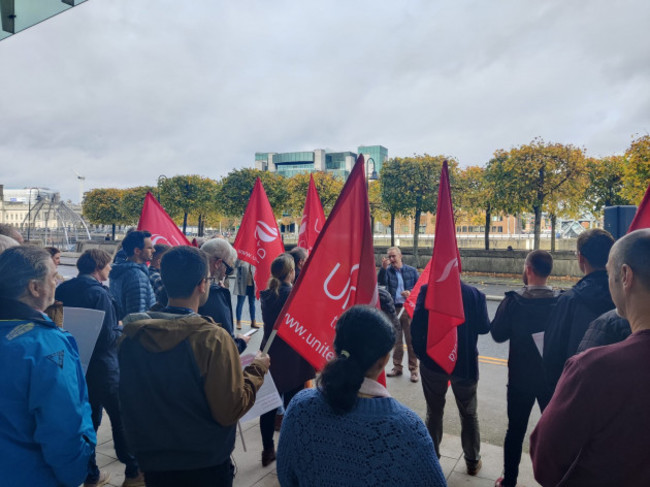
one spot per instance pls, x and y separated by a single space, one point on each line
46 433
399 279
103 375
129 281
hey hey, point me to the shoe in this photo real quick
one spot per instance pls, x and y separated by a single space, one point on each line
278 421
499 482
103 479
137 481
239 324
473 469
394 373
268 456
255 325
414 376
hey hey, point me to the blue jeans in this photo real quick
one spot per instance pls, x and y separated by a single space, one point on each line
250 293
106 397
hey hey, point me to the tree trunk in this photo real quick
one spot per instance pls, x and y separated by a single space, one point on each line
185 223
200 228
488 220
553 221
113 232
392 229
538 224
416 237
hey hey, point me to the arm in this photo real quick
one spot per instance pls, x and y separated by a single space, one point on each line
419 325
564 428
59 403
134 297
482 318
382 277
556 340
229 390
501 327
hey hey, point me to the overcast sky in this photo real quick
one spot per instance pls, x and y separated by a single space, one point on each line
123 91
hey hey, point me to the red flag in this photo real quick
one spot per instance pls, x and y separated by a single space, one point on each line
642 216
409 304
339 274
258 240
313 218
444 299
155 219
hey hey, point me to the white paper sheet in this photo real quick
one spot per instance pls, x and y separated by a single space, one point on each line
267 397
84 325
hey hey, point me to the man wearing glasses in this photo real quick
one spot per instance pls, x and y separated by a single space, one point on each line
219 304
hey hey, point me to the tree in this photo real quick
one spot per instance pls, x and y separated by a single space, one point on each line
132 201
474 196
328 186
636 173
605 183
393 188
182 195
103 206
237 186
534 174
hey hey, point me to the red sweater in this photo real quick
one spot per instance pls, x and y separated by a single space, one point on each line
596 428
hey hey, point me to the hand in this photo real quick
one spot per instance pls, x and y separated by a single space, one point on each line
246 338
406 294
264 358
385 262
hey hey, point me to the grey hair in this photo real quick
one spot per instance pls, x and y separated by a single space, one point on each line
7 242
221 249
18 266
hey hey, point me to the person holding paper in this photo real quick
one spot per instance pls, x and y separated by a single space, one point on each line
46 432
521 318
103 375
182 387
349 430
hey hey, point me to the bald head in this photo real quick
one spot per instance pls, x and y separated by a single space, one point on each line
632 250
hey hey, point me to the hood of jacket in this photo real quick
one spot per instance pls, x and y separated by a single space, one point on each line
118 270
14 310
594 289
80 284
158 332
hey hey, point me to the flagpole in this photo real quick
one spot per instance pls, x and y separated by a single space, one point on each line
269 342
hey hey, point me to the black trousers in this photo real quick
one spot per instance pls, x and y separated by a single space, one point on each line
267 420
217 476
520 404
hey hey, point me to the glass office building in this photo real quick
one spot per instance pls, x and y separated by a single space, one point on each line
19 15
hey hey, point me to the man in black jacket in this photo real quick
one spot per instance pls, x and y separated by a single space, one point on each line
521 318
464 378
576 308
103 374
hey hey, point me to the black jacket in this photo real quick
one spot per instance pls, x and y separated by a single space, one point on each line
520 315
575 309
219 308
85 291
608 328
288 368
476 323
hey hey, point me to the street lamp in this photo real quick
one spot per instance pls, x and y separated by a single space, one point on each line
161 179
371 175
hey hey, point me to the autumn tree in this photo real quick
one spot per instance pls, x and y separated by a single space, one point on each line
132 202
237 186
534 174
636 173
393 187
184 195
328 186
103 206
605 186
473 196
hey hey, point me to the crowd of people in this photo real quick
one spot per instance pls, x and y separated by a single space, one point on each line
166 369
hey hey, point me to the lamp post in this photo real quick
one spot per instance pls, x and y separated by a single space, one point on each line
371 175
29 215
161 179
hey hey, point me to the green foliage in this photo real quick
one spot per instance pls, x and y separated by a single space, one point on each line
605 183
636 174
237 186
328 186
132 201
103 206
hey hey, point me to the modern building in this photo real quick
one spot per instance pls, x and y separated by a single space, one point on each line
17 15
338 163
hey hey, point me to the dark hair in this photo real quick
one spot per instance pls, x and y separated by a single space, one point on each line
634 250
182 269
281 267
52 250
92 260
134 240
594 245
541 262
298 254
363 336
18 266
161 249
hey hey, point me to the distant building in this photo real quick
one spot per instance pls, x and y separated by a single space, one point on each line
337 163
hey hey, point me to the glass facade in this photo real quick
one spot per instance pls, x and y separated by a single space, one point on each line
288 157
336 160
289 170
379 154
18 15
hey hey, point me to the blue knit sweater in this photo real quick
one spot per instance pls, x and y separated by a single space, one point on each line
379 442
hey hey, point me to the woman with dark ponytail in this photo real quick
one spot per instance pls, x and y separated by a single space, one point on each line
349 431
289 370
